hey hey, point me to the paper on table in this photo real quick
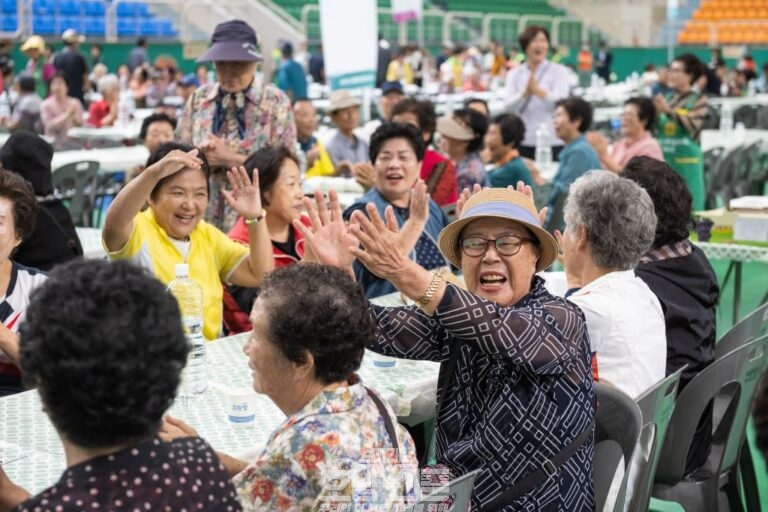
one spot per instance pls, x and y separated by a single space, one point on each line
749 203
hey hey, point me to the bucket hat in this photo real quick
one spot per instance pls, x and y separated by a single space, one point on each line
232 41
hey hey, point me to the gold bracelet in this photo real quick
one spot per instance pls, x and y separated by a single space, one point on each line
437 278
256 220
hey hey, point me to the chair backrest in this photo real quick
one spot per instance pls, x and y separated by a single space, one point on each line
737 370
656 406
70 182
458 493
617 427
750 327
557 218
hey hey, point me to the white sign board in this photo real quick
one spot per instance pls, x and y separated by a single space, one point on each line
350 42
406 10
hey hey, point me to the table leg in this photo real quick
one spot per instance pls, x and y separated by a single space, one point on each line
736 291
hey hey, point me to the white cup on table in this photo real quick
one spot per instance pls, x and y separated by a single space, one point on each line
241 406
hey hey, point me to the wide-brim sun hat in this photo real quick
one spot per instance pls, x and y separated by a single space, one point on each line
232 41
342 99
502 204
33 43
454 128
70 36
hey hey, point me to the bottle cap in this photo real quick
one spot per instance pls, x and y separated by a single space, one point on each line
182 270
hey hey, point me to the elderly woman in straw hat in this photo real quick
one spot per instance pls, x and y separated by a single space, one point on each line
515 395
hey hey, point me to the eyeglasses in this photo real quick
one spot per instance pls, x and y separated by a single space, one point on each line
506 245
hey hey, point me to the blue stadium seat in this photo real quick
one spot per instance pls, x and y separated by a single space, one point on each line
94 26
9 23
44 25
69 7
66 22
127 26
142 10
149 27
44 7
126 10
166 28
8 6
94 8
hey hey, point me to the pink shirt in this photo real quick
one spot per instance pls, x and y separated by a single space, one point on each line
51 111
646 145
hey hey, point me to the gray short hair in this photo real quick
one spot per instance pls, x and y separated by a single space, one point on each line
617 215
108 82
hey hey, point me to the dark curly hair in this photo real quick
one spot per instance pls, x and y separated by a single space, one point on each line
478 123
424 111
512 129
321 310
388 131
101 345
268 161
19 192
165 148
155 118
577 108
670 195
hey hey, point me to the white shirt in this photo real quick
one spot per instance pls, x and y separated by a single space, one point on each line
626 329
554 79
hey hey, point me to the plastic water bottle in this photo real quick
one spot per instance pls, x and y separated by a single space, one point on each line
543 148
726 118
5 106
125 108
189 294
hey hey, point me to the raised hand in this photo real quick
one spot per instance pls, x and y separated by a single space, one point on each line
527 191
464 197
245 197
382 252
329 239
174 162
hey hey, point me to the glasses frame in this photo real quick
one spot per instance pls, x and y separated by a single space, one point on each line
521 240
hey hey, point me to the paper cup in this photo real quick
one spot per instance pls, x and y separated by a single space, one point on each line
241 406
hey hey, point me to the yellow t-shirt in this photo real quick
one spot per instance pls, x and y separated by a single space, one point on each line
212 258
323 165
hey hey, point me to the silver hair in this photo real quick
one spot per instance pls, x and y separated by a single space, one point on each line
108 82
618 217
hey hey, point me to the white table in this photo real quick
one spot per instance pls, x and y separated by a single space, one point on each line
111 159
33 457
129 131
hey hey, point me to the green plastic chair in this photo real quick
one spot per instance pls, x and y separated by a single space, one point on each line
715 486
618 422
656 406
75 184
458 492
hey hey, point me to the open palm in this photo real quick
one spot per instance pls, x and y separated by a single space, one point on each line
329 238
245 196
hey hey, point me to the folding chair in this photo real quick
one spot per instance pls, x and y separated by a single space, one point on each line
656 406
714 486
70 182
618 421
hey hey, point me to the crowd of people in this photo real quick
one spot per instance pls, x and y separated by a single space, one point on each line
448 219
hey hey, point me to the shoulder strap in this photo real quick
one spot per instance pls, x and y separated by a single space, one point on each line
387 420
434 177
529 98
71 243
443 383
546 471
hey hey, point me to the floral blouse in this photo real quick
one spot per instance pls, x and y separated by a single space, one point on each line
259 116
521 390
334 454
471 170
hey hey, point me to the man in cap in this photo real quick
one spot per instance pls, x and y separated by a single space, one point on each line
345 147
33 48
232 118
391 93
72 63
290 76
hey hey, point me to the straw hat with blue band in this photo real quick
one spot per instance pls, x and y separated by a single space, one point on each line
503 204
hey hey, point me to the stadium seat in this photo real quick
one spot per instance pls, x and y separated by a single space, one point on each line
149 28
94 26
8 6
94 8
127 26
69 8
73 22
9 23
126 10
44 25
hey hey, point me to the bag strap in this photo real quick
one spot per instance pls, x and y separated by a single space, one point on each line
529 98
546 471
387 420
434 177
70 241
443 383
